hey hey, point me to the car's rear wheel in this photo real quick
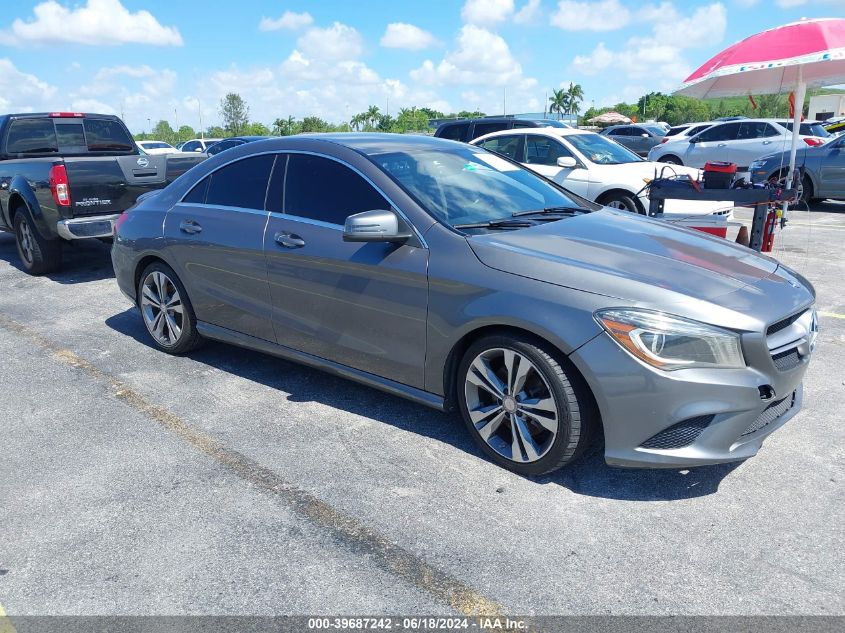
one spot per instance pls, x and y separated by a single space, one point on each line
525 410
38 255
166 310
669 159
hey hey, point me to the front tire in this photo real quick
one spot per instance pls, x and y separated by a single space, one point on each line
622 201
527 411
166 310
39 256
670 160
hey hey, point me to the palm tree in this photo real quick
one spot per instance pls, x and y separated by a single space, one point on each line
576 94
559 102
372 115
357 121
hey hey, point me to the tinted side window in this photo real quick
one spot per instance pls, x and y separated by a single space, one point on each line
454 132
517 124
197 194
507 145
488 128
70 136
106 134
191 146
724 132
31 136
541 150
324 190
755 129
222 146
242 183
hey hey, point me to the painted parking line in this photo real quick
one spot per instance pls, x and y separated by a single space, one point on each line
832 315
349 531
6 625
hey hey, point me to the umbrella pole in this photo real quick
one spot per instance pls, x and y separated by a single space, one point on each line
800 91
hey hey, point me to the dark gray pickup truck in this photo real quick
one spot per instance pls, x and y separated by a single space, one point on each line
68 175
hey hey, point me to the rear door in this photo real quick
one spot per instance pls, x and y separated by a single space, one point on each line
215 235
362 305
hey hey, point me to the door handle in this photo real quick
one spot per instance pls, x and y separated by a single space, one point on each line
766 142
189 226
289 240
722 145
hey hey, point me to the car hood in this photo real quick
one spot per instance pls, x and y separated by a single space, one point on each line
626 256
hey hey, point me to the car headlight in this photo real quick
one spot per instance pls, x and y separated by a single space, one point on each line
670 342
757 164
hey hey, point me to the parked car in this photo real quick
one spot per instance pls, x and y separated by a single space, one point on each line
585 163
452 276
154 148
228 143
637 138
198 144
823 165
67 176
468 129
739 142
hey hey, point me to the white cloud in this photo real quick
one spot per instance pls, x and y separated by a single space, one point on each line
486 12
407 36
789 4
98 22
23 92
529 12
706 25
289 20
336 42
604 15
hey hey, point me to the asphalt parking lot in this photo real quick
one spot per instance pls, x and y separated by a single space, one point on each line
229 482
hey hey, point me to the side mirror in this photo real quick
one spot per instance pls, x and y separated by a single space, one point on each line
199 149
644 135
567 162
375 226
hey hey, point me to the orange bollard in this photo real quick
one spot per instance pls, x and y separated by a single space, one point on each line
742 236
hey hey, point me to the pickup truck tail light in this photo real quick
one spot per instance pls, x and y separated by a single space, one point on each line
59 185
813 142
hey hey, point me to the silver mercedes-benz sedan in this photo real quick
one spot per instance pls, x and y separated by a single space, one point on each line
449 275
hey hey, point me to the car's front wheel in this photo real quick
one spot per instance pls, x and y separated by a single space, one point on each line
620 200
669 159
525 409
166 310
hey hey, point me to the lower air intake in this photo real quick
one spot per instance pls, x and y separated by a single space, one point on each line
679 435
770 414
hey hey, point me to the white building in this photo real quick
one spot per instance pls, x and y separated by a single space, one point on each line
823 107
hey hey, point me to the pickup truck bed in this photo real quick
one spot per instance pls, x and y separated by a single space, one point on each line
68 176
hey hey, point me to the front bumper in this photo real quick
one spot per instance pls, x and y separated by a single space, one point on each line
87 227
689 417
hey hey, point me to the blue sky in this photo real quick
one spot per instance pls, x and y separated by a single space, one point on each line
175 59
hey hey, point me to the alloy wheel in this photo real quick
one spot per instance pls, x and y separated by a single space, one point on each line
26 240
162 309
619 204
511 405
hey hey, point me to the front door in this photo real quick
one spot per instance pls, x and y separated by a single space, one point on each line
541 154
216 238
363 305
711 145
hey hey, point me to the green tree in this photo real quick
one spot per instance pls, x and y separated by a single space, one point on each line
314 124
186 132
234 112
559 102
575 95
255 129
373 114
285 127
163 132
215 131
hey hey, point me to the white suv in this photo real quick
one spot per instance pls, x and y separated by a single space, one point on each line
740 142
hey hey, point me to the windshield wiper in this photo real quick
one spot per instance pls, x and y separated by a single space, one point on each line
553 210
496 224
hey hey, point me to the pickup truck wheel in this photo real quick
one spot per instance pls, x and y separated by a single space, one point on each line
38 255
524 407
167 311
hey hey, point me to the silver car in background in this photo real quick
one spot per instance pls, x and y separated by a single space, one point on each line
452 276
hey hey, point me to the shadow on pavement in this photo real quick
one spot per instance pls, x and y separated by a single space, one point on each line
589 476
82 260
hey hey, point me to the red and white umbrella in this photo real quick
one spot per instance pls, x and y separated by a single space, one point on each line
793 57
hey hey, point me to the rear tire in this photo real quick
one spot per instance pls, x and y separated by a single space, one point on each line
528 411
38 255
166 310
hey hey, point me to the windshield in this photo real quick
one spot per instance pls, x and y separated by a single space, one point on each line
467 186
657 131
601 150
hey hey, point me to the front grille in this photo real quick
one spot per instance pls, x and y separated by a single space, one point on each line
770 414
783 324
679 435
790 359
